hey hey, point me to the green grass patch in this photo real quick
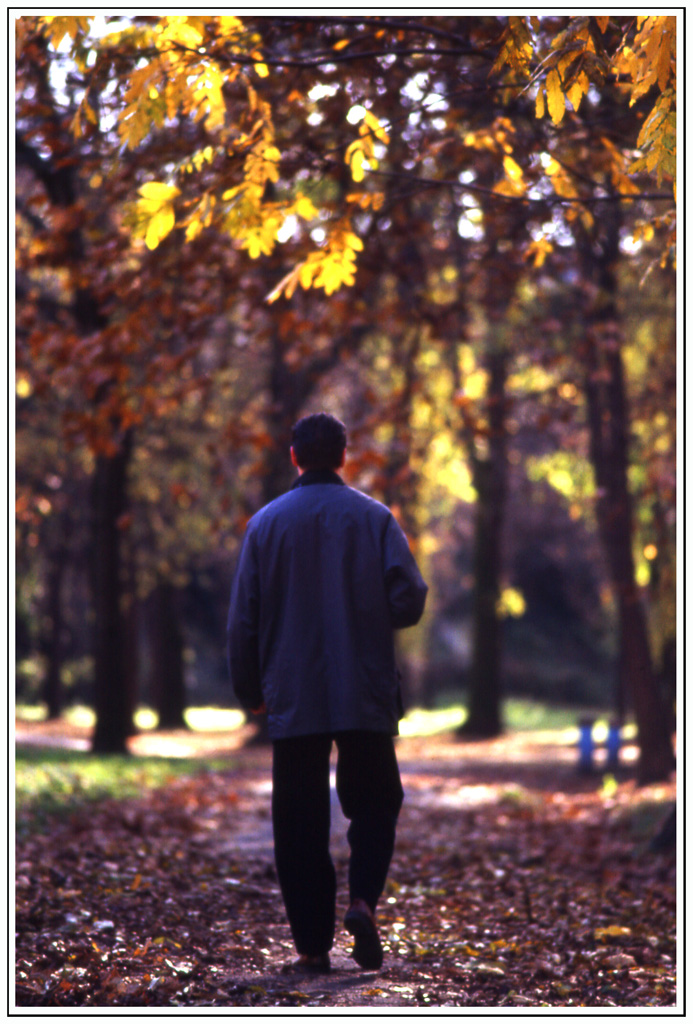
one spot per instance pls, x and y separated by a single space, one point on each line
51 782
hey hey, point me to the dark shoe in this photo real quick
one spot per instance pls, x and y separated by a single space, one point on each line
360 922
309 965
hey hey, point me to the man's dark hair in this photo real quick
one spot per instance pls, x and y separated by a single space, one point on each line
319 441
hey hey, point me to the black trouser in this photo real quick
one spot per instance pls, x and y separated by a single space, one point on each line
370 793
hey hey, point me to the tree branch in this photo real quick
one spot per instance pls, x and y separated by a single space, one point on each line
56 181
615 197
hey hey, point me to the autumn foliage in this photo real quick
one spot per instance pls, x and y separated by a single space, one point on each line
459 234
456 231
515 883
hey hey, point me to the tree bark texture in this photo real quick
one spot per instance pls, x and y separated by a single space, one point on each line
167 677
607 411
114 699
490 478
52 641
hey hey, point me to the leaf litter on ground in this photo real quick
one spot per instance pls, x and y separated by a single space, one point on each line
515 882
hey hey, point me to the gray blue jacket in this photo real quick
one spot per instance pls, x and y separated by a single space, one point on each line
324 577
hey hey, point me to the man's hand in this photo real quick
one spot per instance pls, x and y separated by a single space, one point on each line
259 710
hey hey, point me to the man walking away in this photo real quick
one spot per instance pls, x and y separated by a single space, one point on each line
324 577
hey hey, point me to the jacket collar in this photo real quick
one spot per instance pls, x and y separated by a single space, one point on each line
317 476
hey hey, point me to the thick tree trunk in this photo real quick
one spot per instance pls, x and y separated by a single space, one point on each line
491 484
114 699
605 389
167 679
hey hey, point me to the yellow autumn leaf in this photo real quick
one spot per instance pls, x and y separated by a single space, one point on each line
133 126
256 244
259 238
179 29
538 250
304 208
158 192
307 271
89 111
577 90
199 158
155 214
353 241
332 267
623 183
664 68
160 225
507 187
193 229
59 26
260 67
367 200
613 931
356 160
540 106
201 217
375 126
517 47
512 169
230 25
332 276
555 97
565 61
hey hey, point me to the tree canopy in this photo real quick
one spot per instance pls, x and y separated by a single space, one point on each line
305 136
271 104
221 219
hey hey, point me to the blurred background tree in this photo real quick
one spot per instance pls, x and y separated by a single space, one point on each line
457 233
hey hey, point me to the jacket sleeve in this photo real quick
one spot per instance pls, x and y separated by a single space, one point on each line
405 587
242 629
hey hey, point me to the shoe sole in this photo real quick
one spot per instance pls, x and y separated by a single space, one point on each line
367 950
302 968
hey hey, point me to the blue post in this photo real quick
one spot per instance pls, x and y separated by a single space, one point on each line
585 745
613 744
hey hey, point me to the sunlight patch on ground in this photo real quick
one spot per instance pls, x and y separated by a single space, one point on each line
80 716
197 719
212 719
418 722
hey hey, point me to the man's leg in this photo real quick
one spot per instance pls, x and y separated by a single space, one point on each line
370 792
301 821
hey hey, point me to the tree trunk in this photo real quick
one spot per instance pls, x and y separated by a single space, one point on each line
491 484
114 699
287 392
608 426
167 677
53 644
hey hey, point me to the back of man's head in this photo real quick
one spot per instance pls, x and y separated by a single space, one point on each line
319 441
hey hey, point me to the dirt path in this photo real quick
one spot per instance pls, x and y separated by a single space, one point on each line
516 882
